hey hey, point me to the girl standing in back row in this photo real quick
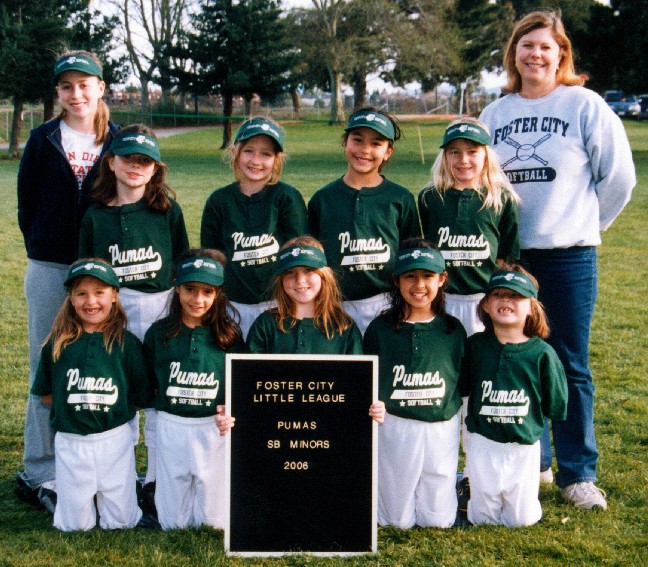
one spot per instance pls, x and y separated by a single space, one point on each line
361 217
251 218
57 170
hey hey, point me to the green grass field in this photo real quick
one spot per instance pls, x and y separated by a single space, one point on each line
565 536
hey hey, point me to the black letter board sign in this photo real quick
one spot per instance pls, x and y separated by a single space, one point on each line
302 473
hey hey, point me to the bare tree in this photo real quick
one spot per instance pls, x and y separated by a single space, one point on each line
147 28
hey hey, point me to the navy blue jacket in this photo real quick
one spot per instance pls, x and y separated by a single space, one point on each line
50 203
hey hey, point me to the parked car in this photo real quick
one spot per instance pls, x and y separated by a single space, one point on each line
643 103
623 104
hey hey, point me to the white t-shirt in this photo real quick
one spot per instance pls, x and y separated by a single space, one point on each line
81 150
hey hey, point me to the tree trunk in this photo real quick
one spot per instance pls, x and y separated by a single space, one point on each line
247 109
337 107
228 106
145 95
296 101
359 90
48 108
16 127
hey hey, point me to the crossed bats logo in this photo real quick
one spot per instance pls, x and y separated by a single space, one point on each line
525 152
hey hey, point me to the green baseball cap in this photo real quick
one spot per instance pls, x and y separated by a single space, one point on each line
374 120
258 126
515 281
466 131
95 268
81 63
427 259
200 269
135 143
307 256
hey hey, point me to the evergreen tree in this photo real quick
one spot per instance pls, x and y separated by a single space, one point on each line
239 49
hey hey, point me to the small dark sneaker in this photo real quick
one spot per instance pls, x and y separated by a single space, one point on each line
585 495
47 496
146 499
148 523
26 493
463 494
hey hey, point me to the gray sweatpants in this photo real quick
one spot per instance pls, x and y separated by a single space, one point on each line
45 294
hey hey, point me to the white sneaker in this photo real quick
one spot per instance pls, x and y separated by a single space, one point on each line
585 495
546 477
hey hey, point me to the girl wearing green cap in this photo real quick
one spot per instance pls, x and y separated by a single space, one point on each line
57 169
514 380
137 226
187 350
361 217
251 218
92 374
420 348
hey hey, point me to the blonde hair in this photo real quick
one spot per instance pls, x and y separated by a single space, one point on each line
565 74
536 324
330 317
102 115
68 328
495 186
234 152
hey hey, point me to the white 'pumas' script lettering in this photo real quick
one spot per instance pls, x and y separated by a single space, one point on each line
89 383
360 244
502 396
460 240
132 256
416 378
191 378
256 241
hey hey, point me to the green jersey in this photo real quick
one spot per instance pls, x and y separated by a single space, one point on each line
140 244
361 230
93 390
471 238
511 388
303 337
419 366
250 230
189 369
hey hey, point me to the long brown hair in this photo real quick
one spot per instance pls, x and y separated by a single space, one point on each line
221 317
68 328
536 324
102 115
157 192
330 317
565 74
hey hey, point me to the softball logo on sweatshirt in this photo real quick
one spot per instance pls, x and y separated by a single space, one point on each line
191 388
89 392
254 250
541 129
